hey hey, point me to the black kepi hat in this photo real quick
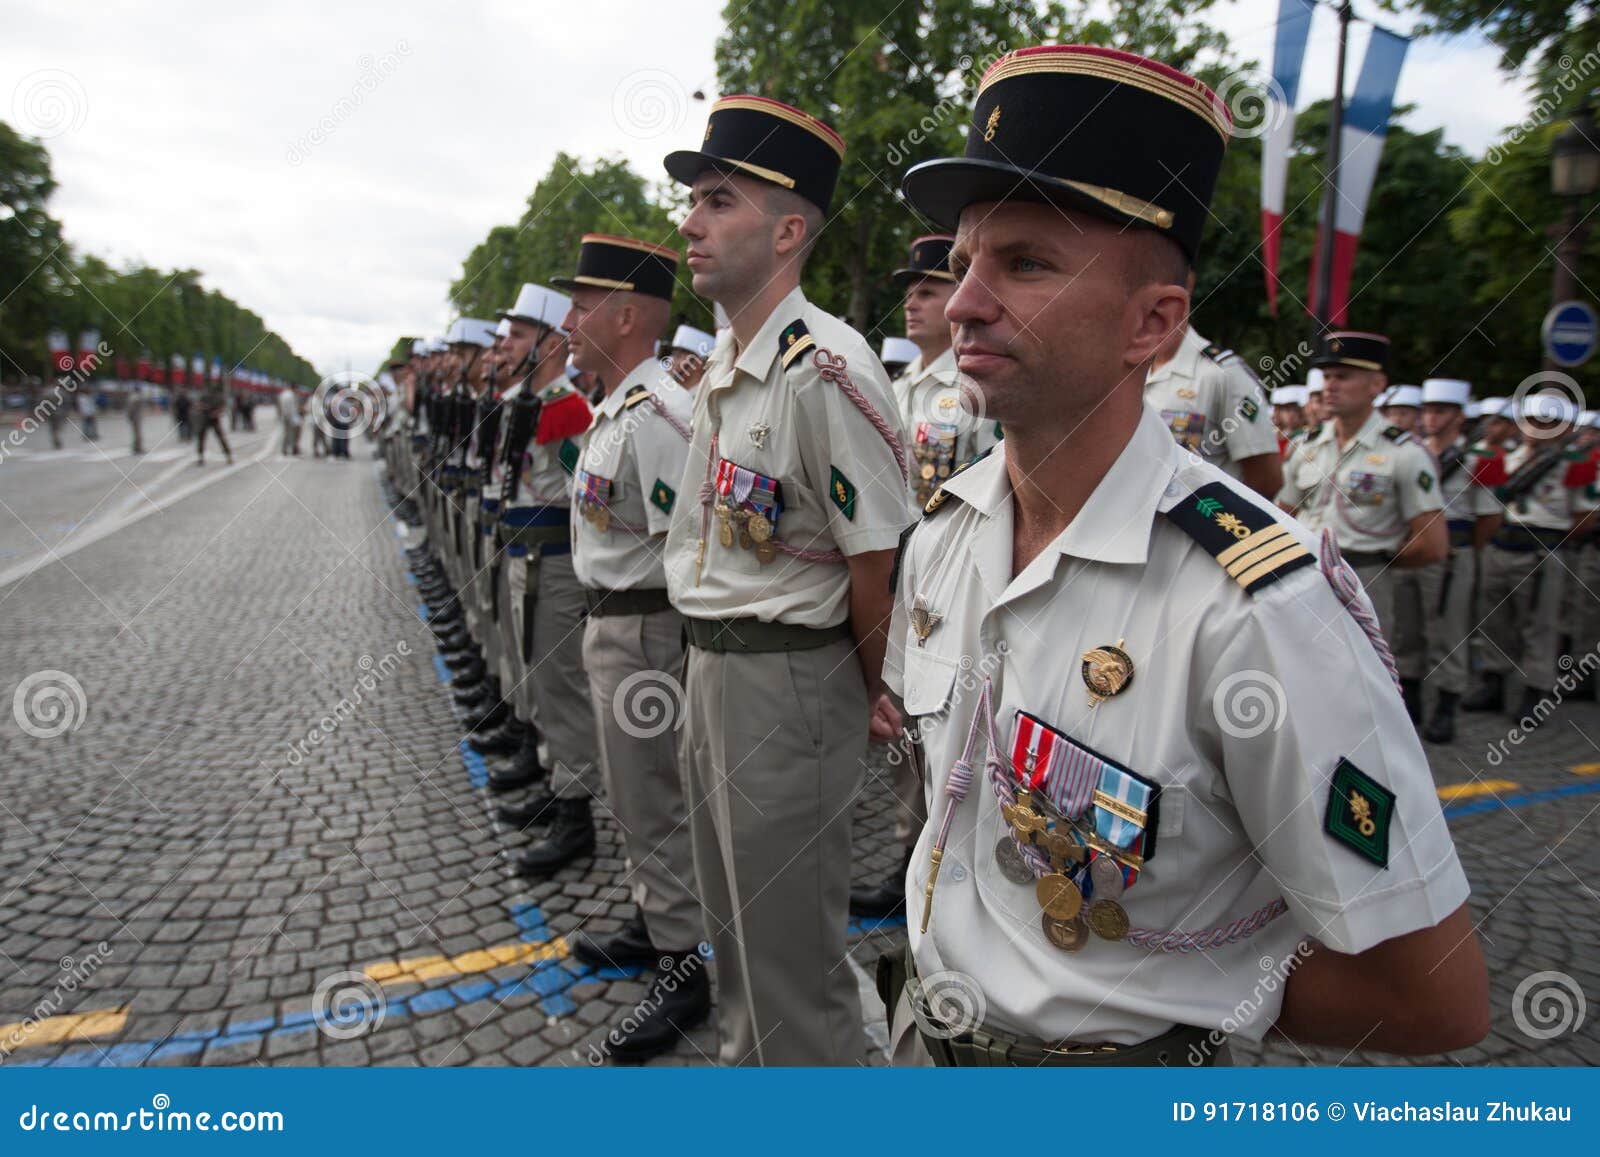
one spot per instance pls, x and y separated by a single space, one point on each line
769 140
1095 129
930 257
1361 351
608 262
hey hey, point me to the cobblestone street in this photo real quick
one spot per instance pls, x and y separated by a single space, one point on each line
258 838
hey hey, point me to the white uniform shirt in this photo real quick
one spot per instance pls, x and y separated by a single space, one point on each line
1213 404
940 433
839 484
1368 492
636 455
1241 707
1554 501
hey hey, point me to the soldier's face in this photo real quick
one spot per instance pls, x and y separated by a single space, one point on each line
1440 418
1286 418
925 304
731 237
516 344
1348 392
1498 429
1403 416
594 326
1046 321
687 368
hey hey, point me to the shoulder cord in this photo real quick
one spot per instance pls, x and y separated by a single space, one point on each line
660 407
833 370
1347 586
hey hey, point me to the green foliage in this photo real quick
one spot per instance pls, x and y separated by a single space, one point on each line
1540 31
573 198
46 287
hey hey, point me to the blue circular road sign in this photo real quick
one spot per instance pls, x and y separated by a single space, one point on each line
1571 331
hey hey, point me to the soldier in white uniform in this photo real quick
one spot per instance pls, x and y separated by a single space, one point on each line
1215 407
1373 485
1123 863
1549 504
896 354
687 354
943 432
1468 473
630 467
778 557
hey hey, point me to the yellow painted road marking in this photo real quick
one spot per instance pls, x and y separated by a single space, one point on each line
1586 769
53 1029
419 968
1457 791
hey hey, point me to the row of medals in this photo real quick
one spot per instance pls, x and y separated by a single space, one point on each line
935 468
1067 919
598 515
752 529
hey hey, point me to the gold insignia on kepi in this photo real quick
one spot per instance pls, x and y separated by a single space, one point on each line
923 620
1107 671
993 123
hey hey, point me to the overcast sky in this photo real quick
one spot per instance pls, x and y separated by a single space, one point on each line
330 165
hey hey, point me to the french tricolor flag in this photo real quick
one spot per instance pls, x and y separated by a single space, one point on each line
1288 54
1366 124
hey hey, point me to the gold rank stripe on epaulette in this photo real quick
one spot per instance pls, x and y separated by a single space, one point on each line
795 340
1396 435
637 396
939 495
1253 547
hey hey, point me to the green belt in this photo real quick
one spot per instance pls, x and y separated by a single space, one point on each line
643 601
535 535
752 636
1184 1045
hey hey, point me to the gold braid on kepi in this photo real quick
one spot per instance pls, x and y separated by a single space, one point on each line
1085 128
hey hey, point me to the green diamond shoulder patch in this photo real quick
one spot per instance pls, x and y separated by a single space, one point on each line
1359 811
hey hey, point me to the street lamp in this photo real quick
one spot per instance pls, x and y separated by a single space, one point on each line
1574 177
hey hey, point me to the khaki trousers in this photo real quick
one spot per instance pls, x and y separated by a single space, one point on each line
1410 637
1522 593
551 685
633 663
772 755
1446 590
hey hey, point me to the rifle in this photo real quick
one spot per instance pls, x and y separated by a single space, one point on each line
488 429
520 428
1533 471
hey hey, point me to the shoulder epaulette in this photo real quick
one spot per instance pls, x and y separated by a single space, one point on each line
940 494
795 340
1217 353
1310 432
1396 435
636 396
1253 547
900 553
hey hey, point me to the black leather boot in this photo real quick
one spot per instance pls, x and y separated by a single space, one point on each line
886 899
538 808
571 837
619 949
464 658
1442 727
523 769
501 742
1490 695
469 678
677 1000
1528 708
1411 692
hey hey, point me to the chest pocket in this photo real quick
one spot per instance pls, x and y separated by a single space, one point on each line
930 680
1307 476
1367 489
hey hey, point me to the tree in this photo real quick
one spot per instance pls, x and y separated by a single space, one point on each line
32 252
1541 31
572 199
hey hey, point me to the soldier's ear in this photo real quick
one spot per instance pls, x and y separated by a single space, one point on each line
1155 312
